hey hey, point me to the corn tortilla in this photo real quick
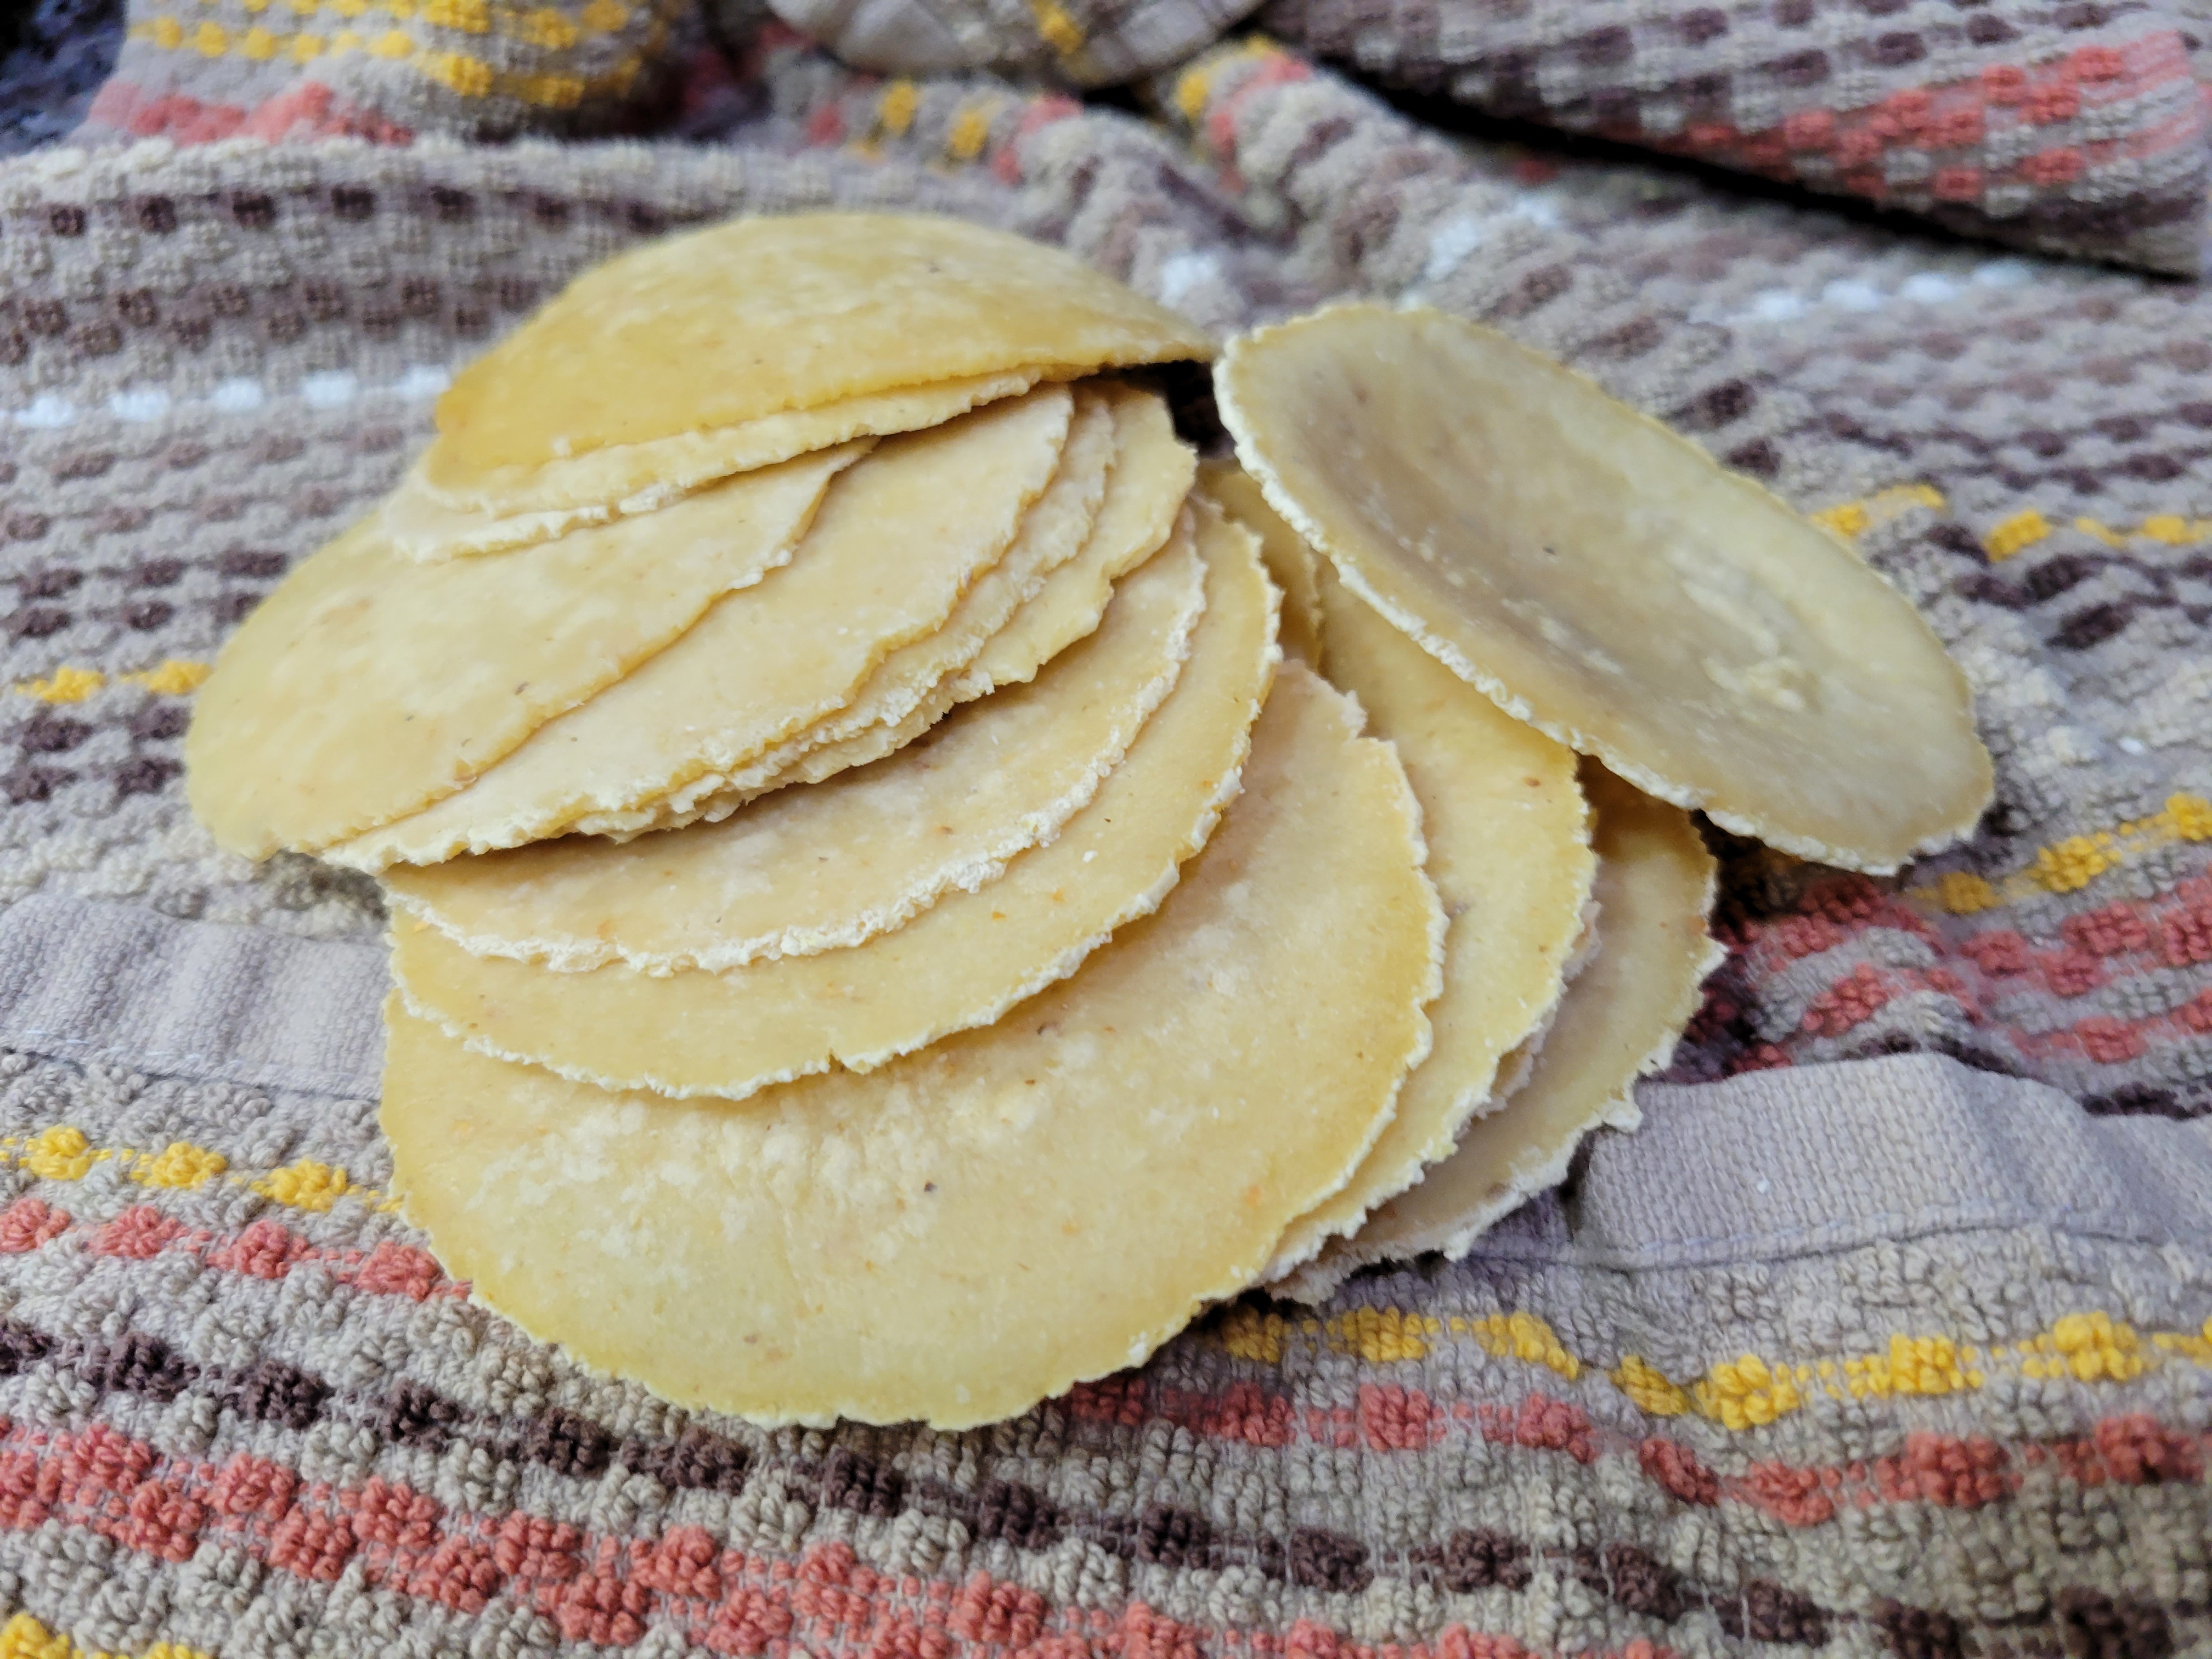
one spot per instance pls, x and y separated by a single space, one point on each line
760 316
824 867
1508 833
1619 1021
366 687
960 964
441 510
1064 1189
1604 580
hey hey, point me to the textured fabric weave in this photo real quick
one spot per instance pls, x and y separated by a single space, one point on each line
1921 1359
2075 127
1874 1339
2070 126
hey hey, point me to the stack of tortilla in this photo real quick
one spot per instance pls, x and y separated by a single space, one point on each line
880 928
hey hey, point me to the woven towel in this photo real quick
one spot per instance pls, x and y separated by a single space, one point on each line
1892 1355
2073 126
1873 1339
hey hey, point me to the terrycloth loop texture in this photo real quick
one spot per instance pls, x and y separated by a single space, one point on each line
1083 43
196 71
1901 1356
2070 126
1924 1364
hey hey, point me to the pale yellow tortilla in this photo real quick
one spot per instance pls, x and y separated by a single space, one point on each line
898 539
1153 474
1619 1021
979 1226
1604 579
824 867
1509 836
1291 559
761 316
960 964
367 686
1052 532
1151 477
440 511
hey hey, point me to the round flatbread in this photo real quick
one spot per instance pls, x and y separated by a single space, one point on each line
1052 532
367 686
825 867
1604 579
434 514
1290 559
960 964
1064 1190
761 316
1145 489
898 539
1620 1020
1508 834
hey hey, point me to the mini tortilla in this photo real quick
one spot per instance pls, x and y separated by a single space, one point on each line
1052 531
367 686
825 867
1152 473
1619 1020
1604 579
960 964
898 539
761 316
1144 490
438 512
1291 559
1509 850
1063 1191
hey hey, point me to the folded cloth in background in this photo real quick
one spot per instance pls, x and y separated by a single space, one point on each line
2077 128
54 54
2070 127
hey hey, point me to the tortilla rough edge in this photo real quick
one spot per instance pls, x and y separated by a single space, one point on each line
827 867
798 1258
1290 559
1655 881
1509 839
770 1022
1745 809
